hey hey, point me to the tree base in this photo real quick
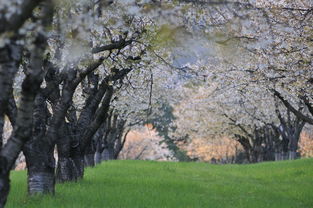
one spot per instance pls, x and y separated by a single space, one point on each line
41 183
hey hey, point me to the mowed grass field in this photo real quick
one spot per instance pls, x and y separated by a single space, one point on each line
149 184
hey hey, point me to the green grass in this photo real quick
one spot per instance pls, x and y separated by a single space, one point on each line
169 184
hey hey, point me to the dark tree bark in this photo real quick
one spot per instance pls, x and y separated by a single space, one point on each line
108 153
99 143
9 108
272 143
113 140
92 116
297 112
244 141
102 112
251 142
22 131
100 117
75 150
89 156
1 130
66 168
290 130
10 55
78 160
69 149
39 158
69 162
44 176
119 144
70 84
83 154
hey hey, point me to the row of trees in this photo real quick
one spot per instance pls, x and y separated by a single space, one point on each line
83 75
75 60
257 84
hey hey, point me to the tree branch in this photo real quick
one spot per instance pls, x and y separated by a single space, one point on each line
115 45
292 109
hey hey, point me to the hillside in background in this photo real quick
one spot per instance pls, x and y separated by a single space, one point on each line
286 184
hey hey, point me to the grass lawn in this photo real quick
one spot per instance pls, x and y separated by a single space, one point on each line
169 184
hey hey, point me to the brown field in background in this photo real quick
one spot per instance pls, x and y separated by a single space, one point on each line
146 140
306 144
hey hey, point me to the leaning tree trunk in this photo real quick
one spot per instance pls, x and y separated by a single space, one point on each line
101 116
120 139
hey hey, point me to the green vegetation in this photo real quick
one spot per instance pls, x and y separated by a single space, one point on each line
168 184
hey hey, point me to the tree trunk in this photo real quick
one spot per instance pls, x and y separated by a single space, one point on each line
108 154
89 160
4 181
1 128
30 86
66 170
293 147
77 157
292 155
10 56
38 153
101 116
99 150
40 165
278 156
98 157
40 181
22 130
78 162
285 155
89 157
